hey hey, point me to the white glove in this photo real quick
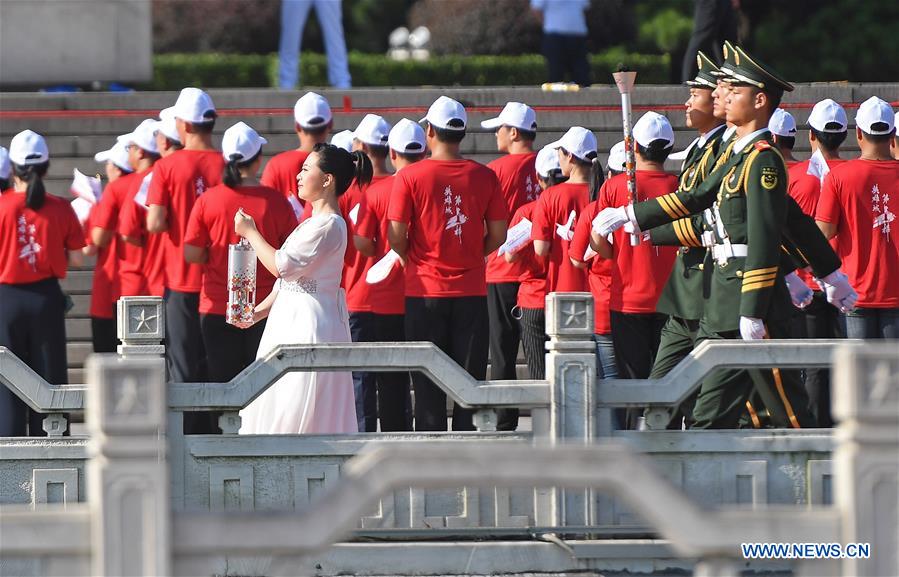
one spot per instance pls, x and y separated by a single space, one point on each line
800 294
838 291
752 329
611 219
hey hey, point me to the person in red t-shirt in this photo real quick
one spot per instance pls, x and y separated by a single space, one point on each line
39 237
102 243
312 123
370 137
385 285
142 258
178 180
640 272
210 231
783 127
516 129
819 320
858 206
532 282
453 212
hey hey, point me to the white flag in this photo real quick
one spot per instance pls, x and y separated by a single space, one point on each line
382 269
817 166
86 187
564 230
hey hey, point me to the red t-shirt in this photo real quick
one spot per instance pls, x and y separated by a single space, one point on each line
281 172
106 288
354 209
532 287
445 204
555 207
805 190
599 270
34 245
211 226
388 296
178 180
639 273
141 268
518 181
861 197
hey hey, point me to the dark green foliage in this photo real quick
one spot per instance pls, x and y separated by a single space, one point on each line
174 71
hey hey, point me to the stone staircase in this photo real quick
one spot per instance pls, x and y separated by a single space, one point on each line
78 125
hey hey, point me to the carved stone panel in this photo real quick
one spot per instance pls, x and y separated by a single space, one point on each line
231 488
140 320
54 486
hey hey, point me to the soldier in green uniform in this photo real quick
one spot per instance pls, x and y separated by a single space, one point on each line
682 297
747 295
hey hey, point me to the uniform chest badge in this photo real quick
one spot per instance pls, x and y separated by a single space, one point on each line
769 177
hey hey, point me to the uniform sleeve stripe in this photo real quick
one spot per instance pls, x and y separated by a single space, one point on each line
771 277
666 208
679 232
676 202
670 199
759 271
757 286
688 227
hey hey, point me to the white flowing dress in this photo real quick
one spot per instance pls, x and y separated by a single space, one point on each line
310 307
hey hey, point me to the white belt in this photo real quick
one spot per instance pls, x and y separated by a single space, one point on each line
721 253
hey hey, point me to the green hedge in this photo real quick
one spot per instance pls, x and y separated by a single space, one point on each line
211 70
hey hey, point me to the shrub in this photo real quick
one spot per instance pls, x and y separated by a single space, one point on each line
212 70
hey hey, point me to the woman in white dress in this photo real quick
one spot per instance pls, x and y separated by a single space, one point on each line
307 304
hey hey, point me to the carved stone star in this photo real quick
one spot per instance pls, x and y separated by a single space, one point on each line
143 320
573 314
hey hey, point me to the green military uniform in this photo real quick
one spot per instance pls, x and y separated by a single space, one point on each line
748 192
682 297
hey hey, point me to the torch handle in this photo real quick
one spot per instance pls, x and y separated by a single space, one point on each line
630 158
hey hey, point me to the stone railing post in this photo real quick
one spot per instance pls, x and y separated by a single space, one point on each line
571 372
140 326
128 475
866 453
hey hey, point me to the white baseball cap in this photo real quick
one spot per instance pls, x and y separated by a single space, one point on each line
373 130
312 111
447 113
144 136
194 106
547 161
28 147
240 142
5 166
344 140
826 112
875 111
516 115
167 124
782 123
653 126
618 157
118 155
407 137
578 141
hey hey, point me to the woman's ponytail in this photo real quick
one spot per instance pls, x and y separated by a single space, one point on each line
231 177
362 168
596 178
33 174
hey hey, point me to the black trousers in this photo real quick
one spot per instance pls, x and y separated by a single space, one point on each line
636 338
365 388
566 53
103 335
714 21
185 354
394 389
459 327
822 321
505 338
533 341
32 327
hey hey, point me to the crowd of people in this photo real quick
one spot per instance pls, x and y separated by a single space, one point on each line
745 243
